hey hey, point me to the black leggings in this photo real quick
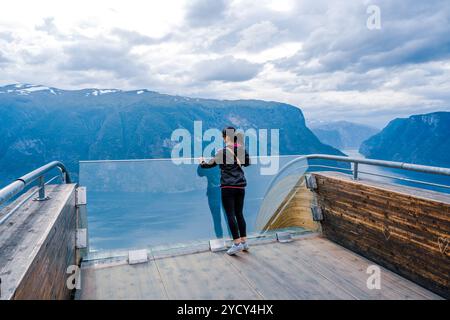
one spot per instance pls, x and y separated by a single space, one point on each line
233 203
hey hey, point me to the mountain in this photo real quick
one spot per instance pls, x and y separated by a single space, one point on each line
421 139
39 124
342 134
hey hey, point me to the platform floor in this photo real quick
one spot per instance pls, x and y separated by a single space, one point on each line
308 268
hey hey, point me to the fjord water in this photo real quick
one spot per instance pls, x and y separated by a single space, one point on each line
138 203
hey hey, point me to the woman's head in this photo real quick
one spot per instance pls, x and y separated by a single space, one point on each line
229 135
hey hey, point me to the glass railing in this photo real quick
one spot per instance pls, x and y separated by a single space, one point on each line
141 203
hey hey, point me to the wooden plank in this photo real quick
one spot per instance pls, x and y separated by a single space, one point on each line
277 269
414 193
310 268
123 285
104 284
150 283
426 241
346 259
406 211
123 282
392 255
383 197
392 243
351 277
294 210
88 288
203 276
350 270
268 280
37 244
398 227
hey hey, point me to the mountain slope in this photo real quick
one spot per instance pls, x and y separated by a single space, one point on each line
342 134
41 124
422 139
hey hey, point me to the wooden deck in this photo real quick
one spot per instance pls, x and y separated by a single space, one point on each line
37 244
311 267
404 229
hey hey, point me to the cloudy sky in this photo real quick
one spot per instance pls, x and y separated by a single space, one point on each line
318 55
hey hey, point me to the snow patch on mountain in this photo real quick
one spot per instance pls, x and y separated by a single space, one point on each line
36 88
98 92
25 89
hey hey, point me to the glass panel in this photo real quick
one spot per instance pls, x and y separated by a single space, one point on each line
141 203
278 189
138 203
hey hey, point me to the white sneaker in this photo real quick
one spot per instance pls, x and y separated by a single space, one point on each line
245 246
235 249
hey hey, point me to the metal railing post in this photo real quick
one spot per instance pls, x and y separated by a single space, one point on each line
20 184
41 196
17 186
355 170
357 161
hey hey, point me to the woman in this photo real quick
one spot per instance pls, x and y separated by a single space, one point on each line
231 159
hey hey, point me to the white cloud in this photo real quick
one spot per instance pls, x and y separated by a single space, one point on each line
226 69
315 54
258 36
205 12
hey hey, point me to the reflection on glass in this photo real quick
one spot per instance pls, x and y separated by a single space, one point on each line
137 203
279 188
214 197
140 203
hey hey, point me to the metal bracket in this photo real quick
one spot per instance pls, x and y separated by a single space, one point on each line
81 239
317 213
311 182
81 196
217 245
41 196
137 256
41 199
355 170
284 236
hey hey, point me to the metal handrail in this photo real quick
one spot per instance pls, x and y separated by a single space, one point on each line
431 184
356 161
20 184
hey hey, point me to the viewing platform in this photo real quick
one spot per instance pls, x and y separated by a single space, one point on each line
121 232
310 267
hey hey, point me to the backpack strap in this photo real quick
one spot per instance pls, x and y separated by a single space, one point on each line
235 157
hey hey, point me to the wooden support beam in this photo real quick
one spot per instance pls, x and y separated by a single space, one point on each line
402 228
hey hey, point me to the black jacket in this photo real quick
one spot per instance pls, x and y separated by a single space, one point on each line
232 174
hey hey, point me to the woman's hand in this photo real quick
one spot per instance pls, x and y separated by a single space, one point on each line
201 160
